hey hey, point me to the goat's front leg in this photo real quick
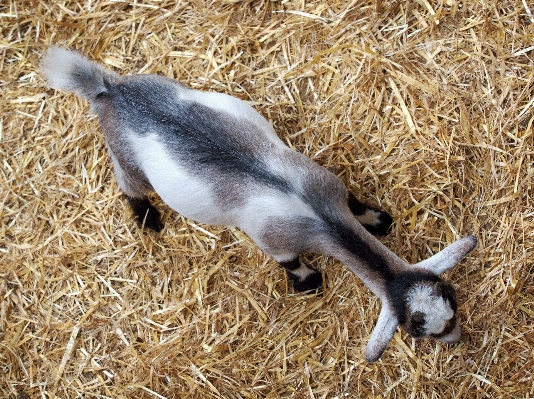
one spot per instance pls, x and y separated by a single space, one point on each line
304 278
375 221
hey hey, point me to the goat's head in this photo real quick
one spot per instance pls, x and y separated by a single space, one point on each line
421 302
430 311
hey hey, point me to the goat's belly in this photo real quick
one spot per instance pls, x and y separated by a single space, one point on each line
187 192
195 202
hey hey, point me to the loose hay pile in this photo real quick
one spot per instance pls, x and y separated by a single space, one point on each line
425 108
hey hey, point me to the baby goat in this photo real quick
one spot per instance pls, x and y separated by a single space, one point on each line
214 159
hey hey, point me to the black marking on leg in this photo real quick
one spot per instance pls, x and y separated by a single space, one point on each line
145 212
383 227
355 206
291 265
312 282
385 221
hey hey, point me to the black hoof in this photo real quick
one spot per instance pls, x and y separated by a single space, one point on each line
383 225
153 220
375 221
312 282
146 213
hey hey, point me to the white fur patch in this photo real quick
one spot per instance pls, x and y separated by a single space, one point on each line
57 65
62 69
186 194
370 218
193 196
302 272
437 310
454 336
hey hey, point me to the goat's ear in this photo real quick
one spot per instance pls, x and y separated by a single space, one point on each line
450 256
382 334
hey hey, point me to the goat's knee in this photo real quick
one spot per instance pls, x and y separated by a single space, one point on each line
304 278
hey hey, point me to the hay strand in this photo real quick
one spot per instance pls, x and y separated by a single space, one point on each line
424 108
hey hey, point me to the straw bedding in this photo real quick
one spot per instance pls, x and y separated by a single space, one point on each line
425 108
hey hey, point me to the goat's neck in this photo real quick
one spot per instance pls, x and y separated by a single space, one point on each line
369 259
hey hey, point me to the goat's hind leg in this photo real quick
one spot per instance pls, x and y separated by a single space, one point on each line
134 189
374 220
145 213
304 278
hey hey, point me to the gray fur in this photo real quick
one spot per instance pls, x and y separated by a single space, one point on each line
216 160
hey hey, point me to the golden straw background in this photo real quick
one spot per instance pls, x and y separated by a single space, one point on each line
424 108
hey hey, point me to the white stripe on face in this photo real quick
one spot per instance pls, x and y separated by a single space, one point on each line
436 309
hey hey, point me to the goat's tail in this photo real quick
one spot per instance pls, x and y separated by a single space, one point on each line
68 70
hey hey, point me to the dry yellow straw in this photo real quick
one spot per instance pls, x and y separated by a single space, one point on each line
423 108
